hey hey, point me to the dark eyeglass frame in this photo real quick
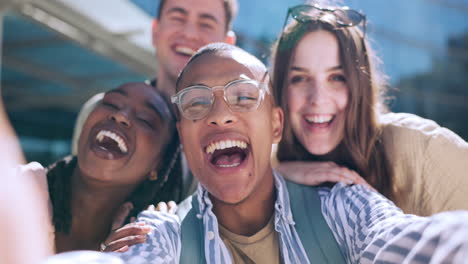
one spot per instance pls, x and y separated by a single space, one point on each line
260 85
299 16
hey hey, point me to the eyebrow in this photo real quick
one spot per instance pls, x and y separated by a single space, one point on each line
209 17
334 68
177 10
153 107
118 91
184 12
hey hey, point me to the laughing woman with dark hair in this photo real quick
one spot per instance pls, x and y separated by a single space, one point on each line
128 158
336 128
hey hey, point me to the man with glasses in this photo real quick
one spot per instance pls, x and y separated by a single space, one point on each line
244 212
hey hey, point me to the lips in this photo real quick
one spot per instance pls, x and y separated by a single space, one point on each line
318 122
227 153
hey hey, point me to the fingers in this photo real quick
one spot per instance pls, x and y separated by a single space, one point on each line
122 245
162 207
169 207
127 235
121 215
172 207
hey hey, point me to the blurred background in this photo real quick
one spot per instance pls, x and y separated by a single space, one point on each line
57 53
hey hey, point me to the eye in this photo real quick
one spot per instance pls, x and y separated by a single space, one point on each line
110 105
145 122
244 95
298 79
206 26
338 78
177 19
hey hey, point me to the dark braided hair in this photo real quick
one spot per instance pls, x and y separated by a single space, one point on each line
168 185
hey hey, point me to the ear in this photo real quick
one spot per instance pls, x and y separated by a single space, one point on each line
154 28
230 38
180 132
277 124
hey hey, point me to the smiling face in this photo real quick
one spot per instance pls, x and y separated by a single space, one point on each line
317 93
182 28
229 152
123 137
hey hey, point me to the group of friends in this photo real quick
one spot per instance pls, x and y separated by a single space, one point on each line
300 163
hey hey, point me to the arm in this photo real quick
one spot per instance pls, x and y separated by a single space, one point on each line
316 172
370 228
163 243
9 140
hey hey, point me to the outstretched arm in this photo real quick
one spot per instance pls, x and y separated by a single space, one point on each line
370 228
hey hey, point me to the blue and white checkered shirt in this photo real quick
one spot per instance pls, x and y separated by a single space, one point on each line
368 228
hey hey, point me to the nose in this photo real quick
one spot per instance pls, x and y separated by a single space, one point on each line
220 114
121 117
190 30
317 93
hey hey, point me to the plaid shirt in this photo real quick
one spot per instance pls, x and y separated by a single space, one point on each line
368 228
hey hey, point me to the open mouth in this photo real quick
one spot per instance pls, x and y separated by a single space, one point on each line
111 142
184 51
227 153
319 120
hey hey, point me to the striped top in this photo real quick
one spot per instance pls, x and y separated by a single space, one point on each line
367 226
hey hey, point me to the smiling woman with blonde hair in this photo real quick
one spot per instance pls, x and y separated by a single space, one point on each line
336 128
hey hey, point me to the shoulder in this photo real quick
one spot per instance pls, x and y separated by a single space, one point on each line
401 124
163 242
407 133
32 168
35 172
404 123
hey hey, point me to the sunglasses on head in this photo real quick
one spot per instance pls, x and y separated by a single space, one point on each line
345 17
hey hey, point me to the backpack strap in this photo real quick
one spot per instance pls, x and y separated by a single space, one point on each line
316 237
192 235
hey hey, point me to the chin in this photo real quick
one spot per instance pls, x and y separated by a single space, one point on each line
318 149
230 197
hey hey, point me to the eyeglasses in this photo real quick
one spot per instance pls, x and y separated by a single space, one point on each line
243 95
345 17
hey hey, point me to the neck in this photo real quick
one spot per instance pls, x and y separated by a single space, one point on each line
166 83
250 215
93 208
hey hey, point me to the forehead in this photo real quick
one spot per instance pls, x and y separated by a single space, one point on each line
142 95
317 47
135 91
215 69
200 7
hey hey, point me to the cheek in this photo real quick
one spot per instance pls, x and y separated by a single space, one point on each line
342 98
296 101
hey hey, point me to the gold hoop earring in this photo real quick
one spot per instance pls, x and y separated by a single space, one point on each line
153 175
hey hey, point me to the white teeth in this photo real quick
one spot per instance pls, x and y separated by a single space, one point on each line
120 142
319 118
185 50
223 144
229 165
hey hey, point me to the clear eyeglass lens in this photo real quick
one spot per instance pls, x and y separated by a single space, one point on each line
243 96
196 102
